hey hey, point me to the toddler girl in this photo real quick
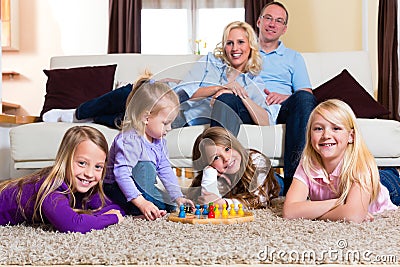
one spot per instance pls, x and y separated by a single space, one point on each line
138 154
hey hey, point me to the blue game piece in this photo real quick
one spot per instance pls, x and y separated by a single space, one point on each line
197 212
205 209
182 213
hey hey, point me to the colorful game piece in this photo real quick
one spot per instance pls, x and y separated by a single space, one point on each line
197 212
211 213
232 212
240 211
205 209
217 212
224 211
182 213
203 219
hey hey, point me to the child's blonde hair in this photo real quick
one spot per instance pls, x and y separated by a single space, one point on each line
61 172
245 179
147 96
359 165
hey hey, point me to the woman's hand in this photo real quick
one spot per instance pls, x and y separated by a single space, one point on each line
237 89
148 209
116 212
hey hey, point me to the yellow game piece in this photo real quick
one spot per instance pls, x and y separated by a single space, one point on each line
240 211
232 211
217 212
224 211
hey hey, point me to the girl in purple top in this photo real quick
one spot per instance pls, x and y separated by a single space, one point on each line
68 195
138 154
338 178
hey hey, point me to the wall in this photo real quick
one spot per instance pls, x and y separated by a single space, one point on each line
49 28
57 27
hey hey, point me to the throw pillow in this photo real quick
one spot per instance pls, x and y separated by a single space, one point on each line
68 88
347 89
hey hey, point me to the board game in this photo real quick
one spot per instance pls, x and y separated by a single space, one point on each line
232 217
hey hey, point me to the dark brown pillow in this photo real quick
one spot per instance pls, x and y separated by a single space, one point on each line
68 88
347 89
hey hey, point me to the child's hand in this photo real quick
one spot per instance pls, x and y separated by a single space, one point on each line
207 197
116 212
148 209
182 201
369 217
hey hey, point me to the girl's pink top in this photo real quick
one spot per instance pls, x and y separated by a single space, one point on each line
319 188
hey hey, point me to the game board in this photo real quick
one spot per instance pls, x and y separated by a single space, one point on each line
191 218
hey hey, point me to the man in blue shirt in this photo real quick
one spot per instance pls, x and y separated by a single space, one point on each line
288 87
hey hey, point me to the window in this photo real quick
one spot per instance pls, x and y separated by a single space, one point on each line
186 26
9 21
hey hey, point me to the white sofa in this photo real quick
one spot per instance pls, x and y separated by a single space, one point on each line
34 145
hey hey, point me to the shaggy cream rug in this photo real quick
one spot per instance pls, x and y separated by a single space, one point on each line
269 239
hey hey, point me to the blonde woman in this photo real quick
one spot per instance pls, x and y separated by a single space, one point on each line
138 153
69 195
337 172
229 75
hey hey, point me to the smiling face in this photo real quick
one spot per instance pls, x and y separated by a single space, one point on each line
87 165
159 124
270 28
329 140
224 159
237 48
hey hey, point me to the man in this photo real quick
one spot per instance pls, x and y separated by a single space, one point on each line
288 87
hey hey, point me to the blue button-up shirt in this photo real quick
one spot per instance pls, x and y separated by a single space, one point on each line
211 71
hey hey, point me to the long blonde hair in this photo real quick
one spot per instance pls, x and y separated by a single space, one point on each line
254 64
243 181
147 96
61 172
359 165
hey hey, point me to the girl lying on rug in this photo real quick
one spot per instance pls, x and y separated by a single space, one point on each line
337 178
230 174
68 195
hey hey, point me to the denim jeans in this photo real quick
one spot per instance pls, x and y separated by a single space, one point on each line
144 175
279 179
229 112
391 180
295 112
107 109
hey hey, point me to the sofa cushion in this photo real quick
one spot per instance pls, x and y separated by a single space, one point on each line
68 88
346 88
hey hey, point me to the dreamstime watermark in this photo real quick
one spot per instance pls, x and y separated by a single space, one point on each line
341 253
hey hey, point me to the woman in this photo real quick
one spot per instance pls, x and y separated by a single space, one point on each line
231 72
230 75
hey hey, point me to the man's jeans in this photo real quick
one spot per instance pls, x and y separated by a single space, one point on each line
391 180
295 112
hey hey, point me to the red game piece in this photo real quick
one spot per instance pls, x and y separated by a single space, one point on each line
211 212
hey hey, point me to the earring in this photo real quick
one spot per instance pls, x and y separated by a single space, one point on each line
351 141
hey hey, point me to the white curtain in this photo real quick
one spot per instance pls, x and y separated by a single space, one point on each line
157 4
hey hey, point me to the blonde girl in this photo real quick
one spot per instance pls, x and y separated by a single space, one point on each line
337 172
139 154
67 195
229 173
